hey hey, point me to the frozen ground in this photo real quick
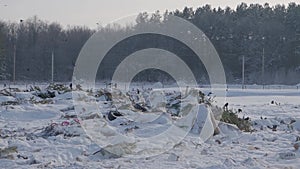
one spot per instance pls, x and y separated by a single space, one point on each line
46 133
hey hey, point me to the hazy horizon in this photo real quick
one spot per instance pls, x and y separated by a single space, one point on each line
91 12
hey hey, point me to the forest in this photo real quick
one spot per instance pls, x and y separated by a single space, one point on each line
249 31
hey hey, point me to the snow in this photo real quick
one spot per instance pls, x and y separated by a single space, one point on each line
51 136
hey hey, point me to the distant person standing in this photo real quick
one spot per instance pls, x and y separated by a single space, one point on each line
71 86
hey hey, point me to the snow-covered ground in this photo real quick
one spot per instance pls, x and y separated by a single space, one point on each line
47 133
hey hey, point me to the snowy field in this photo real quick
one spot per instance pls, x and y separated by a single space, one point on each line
39 132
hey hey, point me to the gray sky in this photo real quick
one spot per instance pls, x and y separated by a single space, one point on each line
89 12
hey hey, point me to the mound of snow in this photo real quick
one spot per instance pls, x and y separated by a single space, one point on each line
229 129
157 101
157 85
6 98
296 125
28 115
205 124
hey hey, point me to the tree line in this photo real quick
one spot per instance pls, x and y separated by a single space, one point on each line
249 31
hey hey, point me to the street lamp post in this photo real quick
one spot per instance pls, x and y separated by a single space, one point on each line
52 67
14 60
243 73
263 64
263 67
15 52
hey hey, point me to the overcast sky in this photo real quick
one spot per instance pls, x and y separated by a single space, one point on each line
90 12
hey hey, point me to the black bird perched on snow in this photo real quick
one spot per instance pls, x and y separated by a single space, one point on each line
240 110
139 107
225 107
247 118
112 115
274 127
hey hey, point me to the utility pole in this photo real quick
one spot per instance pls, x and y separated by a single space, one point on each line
52 67
263 68
15 53
243 73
